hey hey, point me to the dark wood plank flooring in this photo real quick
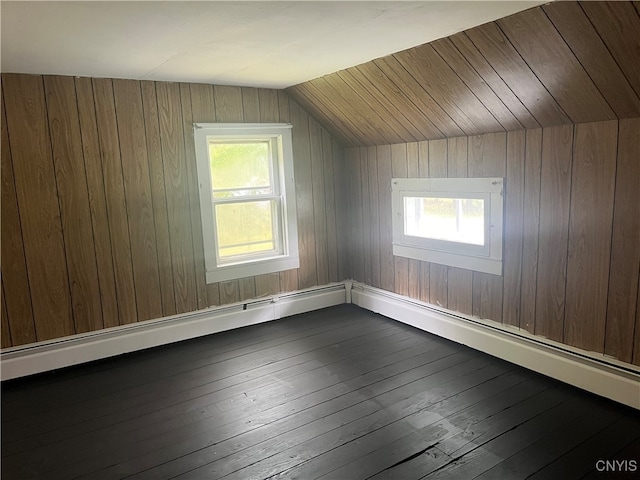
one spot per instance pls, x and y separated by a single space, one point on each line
339 393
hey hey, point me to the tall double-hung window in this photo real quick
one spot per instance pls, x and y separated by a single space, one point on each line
247 199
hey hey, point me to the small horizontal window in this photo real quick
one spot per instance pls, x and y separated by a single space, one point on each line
452 221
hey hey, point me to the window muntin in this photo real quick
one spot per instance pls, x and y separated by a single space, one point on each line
247 199
452 221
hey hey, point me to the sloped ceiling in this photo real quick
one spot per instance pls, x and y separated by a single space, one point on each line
565 62
246 43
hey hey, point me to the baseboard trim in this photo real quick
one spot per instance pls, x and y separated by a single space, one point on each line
76 349
600 377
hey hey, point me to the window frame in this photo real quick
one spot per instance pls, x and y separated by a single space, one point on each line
285 256
487 258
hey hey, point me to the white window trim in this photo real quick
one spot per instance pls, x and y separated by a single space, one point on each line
487 259
248 266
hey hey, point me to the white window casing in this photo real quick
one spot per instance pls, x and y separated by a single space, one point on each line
281 198
428 238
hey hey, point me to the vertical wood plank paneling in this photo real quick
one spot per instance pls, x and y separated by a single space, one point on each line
41 227
343 228
176 185
193 197
137 187
203 111
116 204
625 245
636 340
366 215
158 196
400 264
438 278
530 224
247 287
513 228
97 201
17 301
590 226
328 160
374 214
459 281
229 109
319 214
71 181
5 335
487 288
555 191
386 233
288 278
413 166
269 283
354 194
307 273
423 172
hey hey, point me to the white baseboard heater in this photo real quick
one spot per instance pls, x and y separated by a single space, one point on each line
76 349
603 376
590 371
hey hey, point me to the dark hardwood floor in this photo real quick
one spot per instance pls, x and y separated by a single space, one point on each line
339 393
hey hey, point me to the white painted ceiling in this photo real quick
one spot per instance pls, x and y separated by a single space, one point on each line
260 43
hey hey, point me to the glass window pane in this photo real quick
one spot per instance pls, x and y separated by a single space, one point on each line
245 228
451 219
240 169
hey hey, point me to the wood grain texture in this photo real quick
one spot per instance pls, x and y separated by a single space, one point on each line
579 33
194 197
366 215
625 245
555 192
5 332
590 226
487 158
530 228
203 111
288 278
319 213
116 203
636 340
423 172
371 172
447 89
158 196
178 201
414 91
438 278
480 64
400 264
386 230
413 167
137 186
16 303
247 288
41 227
459 281
513 228
307 273
330 162
452 56
66 143
550 58
619 27
97 201
354 198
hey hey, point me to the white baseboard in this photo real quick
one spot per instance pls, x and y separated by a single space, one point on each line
619 382
64 352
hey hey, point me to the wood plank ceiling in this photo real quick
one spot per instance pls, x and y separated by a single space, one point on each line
566 62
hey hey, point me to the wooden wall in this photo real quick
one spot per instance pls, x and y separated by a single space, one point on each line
100 211
572 230
561 63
